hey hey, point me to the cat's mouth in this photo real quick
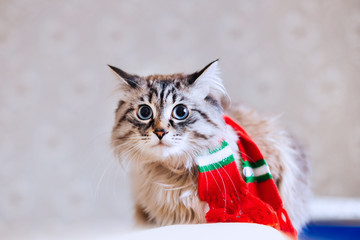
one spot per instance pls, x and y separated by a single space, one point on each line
161 144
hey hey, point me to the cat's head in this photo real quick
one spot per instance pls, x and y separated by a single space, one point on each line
168 118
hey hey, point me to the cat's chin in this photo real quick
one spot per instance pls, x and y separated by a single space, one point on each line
164 150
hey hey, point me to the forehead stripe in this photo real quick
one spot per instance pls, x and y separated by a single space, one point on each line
153 90
167 95
150 96
162 97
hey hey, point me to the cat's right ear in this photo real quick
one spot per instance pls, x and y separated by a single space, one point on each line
131 80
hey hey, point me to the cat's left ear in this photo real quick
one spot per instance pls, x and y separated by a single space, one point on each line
129 79
207 82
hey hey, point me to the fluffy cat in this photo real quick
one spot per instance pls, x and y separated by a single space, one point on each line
163 121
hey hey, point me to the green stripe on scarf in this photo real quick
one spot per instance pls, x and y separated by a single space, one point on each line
261 178
256 164
217 165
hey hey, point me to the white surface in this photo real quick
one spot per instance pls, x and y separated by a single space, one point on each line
115 230
215 231
324 208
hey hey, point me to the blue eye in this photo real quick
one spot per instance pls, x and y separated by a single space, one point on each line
180 112
144 112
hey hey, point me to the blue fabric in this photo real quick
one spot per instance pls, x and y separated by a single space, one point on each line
331 231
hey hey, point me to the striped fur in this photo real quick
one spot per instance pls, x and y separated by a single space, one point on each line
164 172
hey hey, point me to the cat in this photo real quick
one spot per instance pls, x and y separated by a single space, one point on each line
163 121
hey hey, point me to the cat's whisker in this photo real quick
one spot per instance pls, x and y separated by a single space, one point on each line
217 184
232 183
207 182
168 187
223 182
97 188
115 178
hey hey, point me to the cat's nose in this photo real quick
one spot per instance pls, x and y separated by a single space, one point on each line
160 132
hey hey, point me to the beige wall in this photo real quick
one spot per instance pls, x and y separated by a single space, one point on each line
300 59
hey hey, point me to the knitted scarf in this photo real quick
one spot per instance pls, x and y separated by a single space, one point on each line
230 198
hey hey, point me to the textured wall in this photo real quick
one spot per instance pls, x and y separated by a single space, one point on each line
297 58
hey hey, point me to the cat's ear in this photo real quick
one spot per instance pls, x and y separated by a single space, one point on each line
207 82
210 70
131 80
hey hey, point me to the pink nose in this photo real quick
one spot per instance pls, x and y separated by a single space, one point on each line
160 132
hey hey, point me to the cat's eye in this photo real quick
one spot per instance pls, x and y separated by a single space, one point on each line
180 112
144 112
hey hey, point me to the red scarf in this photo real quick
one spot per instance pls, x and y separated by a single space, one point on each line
230 198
